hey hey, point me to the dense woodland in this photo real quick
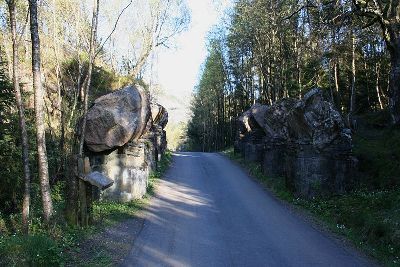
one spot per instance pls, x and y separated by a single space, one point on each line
270 50
56 57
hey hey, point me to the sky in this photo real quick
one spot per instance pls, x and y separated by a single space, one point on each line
178 68
174 70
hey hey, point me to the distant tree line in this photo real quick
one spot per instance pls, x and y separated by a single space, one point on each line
282 48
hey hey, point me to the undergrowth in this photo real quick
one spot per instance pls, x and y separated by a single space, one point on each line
369 217
54 245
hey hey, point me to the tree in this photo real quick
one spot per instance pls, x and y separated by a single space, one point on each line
72 199
283 48
22 121
386 14
39 114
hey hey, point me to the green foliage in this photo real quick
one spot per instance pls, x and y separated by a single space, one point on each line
58 243
369 219
10 149
162 167
176 135
35 250
207 128
111 212
280 49
378 152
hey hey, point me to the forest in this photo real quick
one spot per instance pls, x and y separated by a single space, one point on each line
56 57
276 49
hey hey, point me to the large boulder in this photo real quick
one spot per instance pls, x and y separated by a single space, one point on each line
116 118
316 122
303 140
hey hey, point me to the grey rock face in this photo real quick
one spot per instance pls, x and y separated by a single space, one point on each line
159 115
116 118
315 121
305 141
250 135
160 120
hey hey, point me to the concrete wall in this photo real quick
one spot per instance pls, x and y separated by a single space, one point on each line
129 166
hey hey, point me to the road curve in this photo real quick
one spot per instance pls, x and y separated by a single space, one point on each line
208 212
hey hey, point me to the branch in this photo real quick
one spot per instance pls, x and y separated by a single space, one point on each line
370 23
299 9
113 30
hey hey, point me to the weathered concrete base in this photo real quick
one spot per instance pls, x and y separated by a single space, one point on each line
273 160
129 167
310 174
253 152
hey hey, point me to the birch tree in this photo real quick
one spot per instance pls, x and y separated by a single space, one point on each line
21 114
39 114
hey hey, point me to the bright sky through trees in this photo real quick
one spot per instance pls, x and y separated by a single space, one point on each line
178 69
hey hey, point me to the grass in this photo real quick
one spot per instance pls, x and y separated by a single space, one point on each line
57 244
369 218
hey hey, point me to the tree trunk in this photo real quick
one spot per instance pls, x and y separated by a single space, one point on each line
89 74
72 206
22 123
377 69
39 114
140 63
394 85
353 82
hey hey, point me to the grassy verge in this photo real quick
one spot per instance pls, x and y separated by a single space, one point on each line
370 219
56 245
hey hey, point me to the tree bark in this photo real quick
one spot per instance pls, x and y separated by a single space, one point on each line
89 74
377 69
39 114
22 123
140 63
353 81
394 85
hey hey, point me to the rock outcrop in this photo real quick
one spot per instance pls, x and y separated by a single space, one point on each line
125 139
160 120
250 135
116 118
303 141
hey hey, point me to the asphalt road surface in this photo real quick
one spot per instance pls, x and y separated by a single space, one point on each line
208 212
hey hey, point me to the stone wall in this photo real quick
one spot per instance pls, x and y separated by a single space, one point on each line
302 141
128 163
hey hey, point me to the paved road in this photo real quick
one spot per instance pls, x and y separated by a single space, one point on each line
208 212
